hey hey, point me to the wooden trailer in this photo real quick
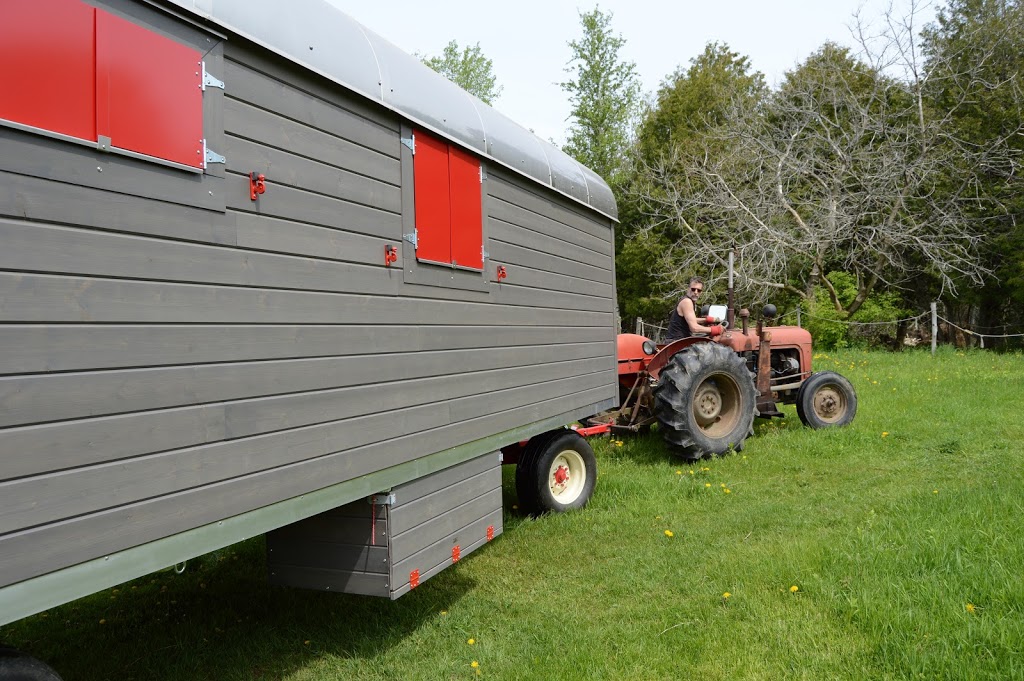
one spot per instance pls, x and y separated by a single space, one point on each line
262 272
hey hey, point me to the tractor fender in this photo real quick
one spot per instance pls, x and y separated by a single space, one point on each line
659 361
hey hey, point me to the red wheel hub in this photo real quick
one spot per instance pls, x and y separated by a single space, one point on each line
561 475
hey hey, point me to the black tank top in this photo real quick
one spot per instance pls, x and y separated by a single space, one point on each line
677 326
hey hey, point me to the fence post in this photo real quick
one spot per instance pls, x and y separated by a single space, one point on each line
639 326
935 328
798 316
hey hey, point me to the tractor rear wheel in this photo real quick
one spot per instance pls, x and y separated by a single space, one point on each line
705 401
825 400
557 472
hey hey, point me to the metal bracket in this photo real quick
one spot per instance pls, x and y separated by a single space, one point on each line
381 499
484 253
211 156
483 174
210 81
103 143
411 143
411 238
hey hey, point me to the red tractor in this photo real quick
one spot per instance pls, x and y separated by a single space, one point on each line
704 393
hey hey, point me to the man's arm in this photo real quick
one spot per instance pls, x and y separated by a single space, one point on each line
686 311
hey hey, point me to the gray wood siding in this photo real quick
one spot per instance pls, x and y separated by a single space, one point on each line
173 353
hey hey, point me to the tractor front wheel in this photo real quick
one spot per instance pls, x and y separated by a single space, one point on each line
705 401
825 400
557 472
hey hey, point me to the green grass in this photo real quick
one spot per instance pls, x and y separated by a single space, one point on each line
904 534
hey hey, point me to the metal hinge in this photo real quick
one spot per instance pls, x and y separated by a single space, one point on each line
483 174
211 156
411 143
209 80
411 238
381 499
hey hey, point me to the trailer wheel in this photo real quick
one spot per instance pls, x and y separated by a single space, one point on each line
17 666
556 473
826 400
705 401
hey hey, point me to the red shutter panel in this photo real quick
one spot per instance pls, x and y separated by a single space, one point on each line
48 78
467 213
149 98
433 213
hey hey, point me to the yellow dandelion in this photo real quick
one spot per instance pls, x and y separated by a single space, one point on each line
971 609
691 472
885 433
726 595
668 533
657 517
471 641
707 484
723 485
618 444
935 491
728 491
444 612
474 664
679 472
793 589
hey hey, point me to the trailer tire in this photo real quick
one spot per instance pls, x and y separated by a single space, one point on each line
17 666
556 473
826 400
705 401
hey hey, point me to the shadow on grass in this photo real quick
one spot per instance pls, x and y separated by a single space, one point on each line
221 620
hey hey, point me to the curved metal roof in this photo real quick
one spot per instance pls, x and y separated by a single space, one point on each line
322 38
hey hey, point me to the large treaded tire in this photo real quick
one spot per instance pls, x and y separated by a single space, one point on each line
17 666
705 401
557 472
826 400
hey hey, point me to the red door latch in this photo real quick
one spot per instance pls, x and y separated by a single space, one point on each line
257 184
390 255
501 272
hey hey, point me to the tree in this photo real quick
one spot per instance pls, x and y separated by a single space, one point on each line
605 97
845 167
989 33
469 69
691 103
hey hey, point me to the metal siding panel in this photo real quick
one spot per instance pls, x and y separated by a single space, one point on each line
43 200
149 98
408 514
439 554
359 583
327 555
421 487
433 203
48 79
466 209
274 130
442 527
78 347
50 547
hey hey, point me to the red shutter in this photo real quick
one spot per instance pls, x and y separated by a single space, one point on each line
467 214
149 98
48 78
433 213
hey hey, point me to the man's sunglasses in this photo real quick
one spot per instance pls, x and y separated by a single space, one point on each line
696 290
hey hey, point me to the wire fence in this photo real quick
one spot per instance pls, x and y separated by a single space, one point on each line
916 325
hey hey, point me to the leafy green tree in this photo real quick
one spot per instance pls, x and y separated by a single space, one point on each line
605 97
695 100
974 59
469 69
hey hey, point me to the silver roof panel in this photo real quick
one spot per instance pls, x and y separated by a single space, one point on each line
322 38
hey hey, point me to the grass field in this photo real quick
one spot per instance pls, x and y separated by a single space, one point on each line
892 549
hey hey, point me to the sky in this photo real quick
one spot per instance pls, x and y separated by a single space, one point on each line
527 40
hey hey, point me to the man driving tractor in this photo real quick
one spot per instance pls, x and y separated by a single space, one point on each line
683 323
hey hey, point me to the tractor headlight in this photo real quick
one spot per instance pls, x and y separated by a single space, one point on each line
649 347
